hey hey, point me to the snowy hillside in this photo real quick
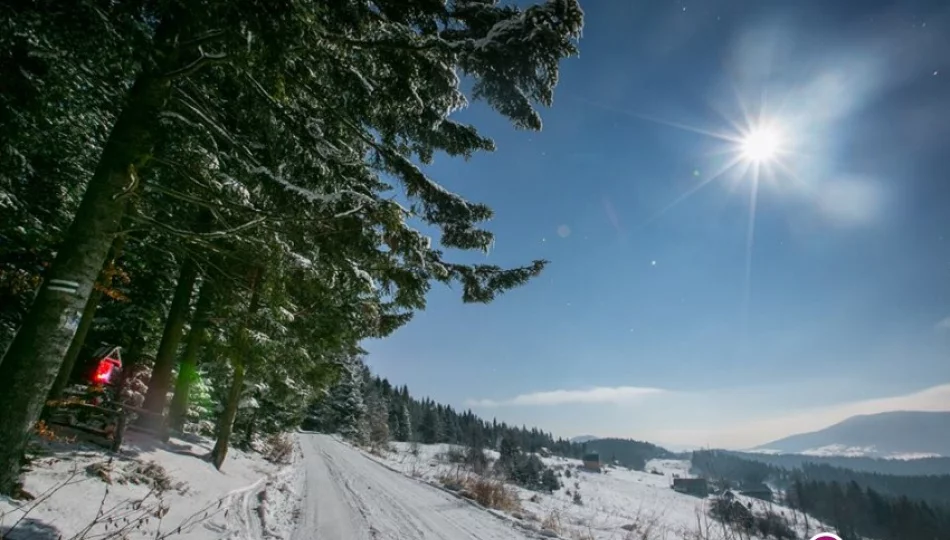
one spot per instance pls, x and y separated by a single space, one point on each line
618 503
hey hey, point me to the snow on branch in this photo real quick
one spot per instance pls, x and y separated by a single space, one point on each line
363 275
310 195
198 63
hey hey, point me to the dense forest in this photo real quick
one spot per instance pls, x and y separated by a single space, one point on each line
933 489
371 410
630 454
858 504
907 467
858 513
234 192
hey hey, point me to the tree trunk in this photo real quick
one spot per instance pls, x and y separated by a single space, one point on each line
187 370
160 381
88 315
226 420
241 359
32 360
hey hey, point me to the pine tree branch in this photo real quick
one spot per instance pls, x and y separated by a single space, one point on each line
211 207
179 170
394 44
203 60
191 234
210 35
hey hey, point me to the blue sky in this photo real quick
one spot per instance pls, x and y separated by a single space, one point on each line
656 320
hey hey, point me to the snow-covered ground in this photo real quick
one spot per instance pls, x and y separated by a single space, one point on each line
349 497
616 504
336 491
152 490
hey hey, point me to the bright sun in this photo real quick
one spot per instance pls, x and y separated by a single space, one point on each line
761 144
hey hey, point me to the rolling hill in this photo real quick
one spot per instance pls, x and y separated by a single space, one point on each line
899 434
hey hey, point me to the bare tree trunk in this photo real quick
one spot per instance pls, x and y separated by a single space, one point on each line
32 360
88 315
160 381
187 369
241 359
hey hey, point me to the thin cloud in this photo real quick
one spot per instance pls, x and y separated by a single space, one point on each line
601 394
943 325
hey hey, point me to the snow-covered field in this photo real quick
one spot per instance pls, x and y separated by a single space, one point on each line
152 490
616 504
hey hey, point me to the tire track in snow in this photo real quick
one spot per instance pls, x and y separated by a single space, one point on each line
349 497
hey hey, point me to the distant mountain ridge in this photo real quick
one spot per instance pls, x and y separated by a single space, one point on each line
580 439
894 435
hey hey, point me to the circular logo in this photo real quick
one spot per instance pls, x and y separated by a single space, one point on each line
826 536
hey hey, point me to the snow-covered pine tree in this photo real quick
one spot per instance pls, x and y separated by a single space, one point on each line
431 427
345 400
200 414
392 419
377 416
405 424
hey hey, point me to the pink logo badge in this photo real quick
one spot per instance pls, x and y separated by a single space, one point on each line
826 536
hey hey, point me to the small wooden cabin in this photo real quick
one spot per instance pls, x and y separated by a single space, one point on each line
592 461
758 491
697 487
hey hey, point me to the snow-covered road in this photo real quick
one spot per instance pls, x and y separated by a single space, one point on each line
350 497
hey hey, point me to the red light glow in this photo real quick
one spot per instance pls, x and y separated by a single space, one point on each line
103 372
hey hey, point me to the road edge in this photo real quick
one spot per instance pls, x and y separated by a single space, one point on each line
526 526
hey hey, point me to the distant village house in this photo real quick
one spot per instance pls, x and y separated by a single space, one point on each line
697 487
592 461
758 491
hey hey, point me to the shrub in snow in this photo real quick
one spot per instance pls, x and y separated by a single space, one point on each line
732 513
135 385
772 525
549 481
453 455
279 448
491 493
577 498
527 471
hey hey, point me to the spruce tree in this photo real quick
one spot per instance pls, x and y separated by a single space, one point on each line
430 429
405 424
345 401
